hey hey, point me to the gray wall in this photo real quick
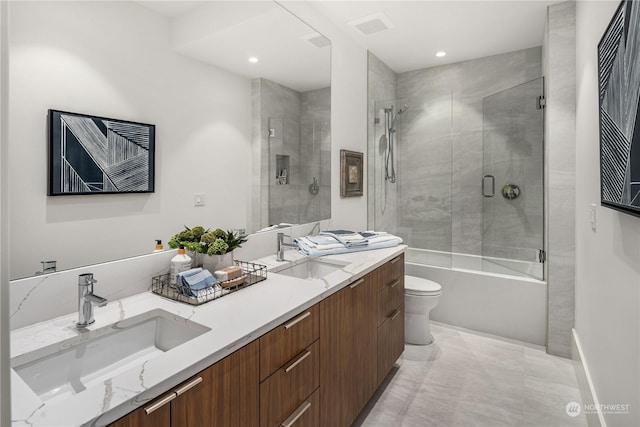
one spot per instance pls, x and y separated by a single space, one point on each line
315 153
382 207
560 69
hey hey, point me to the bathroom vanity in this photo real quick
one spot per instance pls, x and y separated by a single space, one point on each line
308 346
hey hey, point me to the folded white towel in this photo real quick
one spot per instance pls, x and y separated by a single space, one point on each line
321 247
347 238
381 238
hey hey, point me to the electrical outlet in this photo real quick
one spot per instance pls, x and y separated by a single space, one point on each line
198 199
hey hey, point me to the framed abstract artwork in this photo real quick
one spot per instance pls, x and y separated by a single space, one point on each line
351 174
98 155
619 96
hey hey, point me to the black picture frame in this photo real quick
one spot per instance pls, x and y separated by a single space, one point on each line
99 155
618 102
351 173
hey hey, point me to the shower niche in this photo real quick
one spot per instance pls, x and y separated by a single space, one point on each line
282 169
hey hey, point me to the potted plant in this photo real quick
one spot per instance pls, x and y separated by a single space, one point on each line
211 249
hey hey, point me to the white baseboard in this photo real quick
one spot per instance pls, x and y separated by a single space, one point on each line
587 389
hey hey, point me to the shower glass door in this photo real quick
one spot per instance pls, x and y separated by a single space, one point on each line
512 182
418 205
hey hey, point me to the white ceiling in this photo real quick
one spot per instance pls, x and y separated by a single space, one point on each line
464 29
225 33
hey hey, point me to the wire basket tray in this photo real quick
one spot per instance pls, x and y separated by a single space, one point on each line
252 273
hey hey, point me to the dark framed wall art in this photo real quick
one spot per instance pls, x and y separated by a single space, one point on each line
98 155
351 174
619 96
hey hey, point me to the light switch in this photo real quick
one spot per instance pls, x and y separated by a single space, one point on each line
198 199
592 217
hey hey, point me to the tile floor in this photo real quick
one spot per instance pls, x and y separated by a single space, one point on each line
469 379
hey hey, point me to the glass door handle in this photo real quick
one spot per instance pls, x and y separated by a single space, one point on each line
485 193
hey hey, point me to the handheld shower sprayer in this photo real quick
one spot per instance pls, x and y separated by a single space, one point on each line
390 125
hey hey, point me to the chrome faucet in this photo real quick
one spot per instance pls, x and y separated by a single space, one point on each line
47 267
281 245
86 300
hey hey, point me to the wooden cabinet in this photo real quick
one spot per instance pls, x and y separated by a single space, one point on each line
390 343
281 344
288 389
225 394
289 372
149 416
364 340
390 318
318 369
348 351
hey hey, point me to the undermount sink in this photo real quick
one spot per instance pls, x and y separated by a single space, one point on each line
69 367
311 268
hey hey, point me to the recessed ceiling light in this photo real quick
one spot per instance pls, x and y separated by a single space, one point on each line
253 59
441 54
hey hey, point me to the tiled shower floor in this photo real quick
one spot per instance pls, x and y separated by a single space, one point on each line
467 379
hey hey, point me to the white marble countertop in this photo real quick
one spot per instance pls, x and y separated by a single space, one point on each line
234 320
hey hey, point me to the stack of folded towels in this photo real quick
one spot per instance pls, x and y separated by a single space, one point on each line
196 282
343 241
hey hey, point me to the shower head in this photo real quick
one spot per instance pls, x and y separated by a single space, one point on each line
401 110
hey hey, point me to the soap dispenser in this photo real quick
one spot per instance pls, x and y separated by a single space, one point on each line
179 263
158 246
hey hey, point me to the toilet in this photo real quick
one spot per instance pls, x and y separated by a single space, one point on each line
420 296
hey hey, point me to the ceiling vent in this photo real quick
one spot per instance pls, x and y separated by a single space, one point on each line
372 23
317 39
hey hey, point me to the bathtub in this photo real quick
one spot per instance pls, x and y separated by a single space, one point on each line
490 295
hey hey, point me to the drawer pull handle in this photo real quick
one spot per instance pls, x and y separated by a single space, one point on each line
393 261
395 314
394 284
188 386
160 403
359 282
297 362
297 414
299 319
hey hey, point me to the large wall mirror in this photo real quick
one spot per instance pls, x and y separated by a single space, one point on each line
239 93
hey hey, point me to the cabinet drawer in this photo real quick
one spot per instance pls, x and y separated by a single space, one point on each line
390 298
307 414
390 342
284 342
288 388
390 271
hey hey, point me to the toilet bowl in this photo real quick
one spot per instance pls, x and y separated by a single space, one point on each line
420 296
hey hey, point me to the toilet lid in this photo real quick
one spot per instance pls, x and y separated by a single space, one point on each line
419 286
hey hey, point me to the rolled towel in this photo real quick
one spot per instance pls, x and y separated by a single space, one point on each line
228 273
194 280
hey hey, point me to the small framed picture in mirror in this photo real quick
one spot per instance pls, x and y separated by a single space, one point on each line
351 174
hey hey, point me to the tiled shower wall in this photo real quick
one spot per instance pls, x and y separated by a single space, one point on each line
315 155
382 208
560 67
300 122
438 199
